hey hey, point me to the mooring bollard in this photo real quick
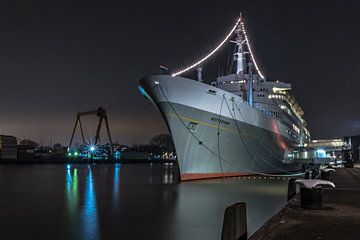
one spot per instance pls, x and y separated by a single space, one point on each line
311 192
311 197
234 224
314 173
326 173
291 189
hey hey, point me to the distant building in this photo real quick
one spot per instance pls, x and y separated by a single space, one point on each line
330 147
8 147
135 156
353 143
43 152
25 152
59 151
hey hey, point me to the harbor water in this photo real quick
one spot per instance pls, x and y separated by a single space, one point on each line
129 201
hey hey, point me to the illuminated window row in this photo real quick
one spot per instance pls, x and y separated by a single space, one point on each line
240 81
307 132
276 96
296 129
272 113
226 82
280 90
292 134
285 108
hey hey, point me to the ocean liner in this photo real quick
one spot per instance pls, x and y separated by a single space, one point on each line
240 124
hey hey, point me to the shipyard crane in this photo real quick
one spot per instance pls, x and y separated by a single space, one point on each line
101 113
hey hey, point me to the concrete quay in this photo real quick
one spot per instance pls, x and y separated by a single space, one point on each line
338 219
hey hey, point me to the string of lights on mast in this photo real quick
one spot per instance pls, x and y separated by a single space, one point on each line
251 53
197 63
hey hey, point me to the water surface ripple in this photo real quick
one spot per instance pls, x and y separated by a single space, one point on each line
113 201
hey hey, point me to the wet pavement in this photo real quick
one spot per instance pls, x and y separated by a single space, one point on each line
338 219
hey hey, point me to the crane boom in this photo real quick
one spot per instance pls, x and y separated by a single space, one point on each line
101 113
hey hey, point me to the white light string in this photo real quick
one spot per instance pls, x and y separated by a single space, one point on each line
251 54
218 47
210 54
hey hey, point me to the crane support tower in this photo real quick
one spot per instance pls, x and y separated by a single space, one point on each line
101 113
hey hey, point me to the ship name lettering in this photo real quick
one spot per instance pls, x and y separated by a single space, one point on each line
218 120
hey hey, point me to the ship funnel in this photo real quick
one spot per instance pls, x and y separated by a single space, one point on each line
199 74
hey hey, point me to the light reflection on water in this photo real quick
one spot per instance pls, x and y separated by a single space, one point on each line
116 188
72 196
113 201
72 186
85 212
168 174
89 213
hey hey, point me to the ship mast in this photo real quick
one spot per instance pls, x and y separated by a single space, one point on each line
239 56
240 59
251 84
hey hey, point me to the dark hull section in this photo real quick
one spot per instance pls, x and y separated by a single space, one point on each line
210 145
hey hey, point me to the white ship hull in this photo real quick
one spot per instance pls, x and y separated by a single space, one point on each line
215 133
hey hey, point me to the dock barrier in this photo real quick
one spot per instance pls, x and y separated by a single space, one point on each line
311 192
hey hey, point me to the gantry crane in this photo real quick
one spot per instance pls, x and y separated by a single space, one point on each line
101 113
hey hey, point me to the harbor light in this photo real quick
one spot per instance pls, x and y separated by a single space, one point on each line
321 153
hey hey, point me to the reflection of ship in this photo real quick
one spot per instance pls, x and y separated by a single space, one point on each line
239 124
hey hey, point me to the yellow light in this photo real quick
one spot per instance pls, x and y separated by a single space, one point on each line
280 89
219 46
211 53
252 55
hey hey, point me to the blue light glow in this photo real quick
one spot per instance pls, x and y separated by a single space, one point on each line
321 153
117 185
90 224
143 92
117 155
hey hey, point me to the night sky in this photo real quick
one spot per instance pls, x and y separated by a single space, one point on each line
60 57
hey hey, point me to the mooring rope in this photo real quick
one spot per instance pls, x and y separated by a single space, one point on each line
217 155
183 123
246 147
218 135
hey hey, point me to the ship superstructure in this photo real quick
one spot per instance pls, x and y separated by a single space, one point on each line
272 98
239 124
